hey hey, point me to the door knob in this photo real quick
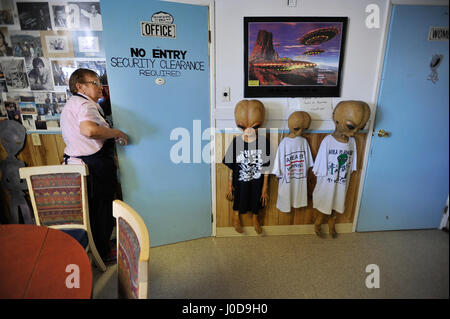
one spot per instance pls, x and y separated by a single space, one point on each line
383 133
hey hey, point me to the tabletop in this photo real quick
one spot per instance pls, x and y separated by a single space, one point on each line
41 262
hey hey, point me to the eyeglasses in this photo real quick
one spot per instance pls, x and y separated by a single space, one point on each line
96 83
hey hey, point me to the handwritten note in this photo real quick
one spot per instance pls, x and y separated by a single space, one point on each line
320 109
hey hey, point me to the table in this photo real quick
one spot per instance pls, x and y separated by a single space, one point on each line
34 263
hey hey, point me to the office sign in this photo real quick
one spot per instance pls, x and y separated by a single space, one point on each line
161 26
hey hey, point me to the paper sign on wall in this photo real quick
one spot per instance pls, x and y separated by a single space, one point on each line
161 26
438 34
320 109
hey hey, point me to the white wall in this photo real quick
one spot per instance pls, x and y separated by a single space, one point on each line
363 54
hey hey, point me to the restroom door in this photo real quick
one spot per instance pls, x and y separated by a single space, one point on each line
406 185
159 86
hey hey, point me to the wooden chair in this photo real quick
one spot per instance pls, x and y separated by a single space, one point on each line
59 197
133 249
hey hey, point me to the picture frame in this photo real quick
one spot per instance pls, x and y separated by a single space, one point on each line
57 44
88 44
293 56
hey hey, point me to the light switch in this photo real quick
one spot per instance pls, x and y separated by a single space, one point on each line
226 94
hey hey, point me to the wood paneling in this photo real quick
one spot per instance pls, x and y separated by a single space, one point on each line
50 152
270 215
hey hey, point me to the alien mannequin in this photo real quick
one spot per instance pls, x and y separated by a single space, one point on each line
12 136
335 161
292 161
248 157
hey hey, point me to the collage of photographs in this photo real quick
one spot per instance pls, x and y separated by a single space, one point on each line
41 44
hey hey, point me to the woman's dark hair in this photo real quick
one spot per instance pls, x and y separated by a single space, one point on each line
4 40
37 61
78 76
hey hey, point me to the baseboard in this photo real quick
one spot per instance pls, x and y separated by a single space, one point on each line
281 230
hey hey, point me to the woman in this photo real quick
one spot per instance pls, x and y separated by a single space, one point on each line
89 139
5 49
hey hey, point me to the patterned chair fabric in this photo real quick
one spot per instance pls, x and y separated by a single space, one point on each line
128 261
58 198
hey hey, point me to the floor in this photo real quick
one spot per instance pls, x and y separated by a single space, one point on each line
412 264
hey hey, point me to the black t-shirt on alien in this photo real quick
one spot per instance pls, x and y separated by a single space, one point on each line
248 161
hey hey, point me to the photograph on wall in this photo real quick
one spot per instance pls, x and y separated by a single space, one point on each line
11 96
40 123
84 16
26 97
42 109
34 15
99 66
58 15
3 87
15 74
48 116
8 14
59 97
27 108
39 74
28 121
26 43
57 44
293 56
3 113
88 44
42 97
53 125
5 43
62 70
13 111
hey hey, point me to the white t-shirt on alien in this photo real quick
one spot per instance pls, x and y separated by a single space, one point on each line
333 166
292 161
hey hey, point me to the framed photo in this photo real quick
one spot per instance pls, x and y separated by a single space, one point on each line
8 15
34 15
27 108
88 44
29 121
57 44
58 15
3 113
62 70
26 43
15 74
293 56
5 43
39 74
13 111
84 16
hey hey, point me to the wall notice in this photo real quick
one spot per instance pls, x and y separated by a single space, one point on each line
320 109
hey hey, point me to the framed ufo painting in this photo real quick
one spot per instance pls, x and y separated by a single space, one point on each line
293 56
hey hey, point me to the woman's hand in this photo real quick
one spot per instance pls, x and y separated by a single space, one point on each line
122 138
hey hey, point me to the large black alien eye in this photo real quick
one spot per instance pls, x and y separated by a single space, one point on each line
296 128
350 127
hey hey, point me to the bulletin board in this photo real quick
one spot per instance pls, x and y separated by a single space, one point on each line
41 44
